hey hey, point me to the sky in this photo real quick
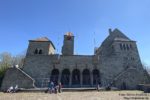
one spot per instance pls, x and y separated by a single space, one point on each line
88 20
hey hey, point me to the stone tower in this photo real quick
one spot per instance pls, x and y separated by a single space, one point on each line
40 46
68 45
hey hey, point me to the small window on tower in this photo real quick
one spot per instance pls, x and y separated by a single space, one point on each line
121 46
36 51
130 46
127 46
124 47
40 51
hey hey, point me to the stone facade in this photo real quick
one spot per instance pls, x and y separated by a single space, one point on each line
15 76
116 62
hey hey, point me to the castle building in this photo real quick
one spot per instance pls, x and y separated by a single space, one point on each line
116 62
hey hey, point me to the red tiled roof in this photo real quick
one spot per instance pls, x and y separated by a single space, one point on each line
42 39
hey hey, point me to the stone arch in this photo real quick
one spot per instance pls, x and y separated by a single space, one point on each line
65 77
76 77
86 80
54 76
96 76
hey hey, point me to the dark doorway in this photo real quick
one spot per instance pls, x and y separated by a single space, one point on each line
54 76
76 77
123 86
65 77
96 77
86 77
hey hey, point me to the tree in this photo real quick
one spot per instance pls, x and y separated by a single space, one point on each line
146 73
7 61
146 67
18 60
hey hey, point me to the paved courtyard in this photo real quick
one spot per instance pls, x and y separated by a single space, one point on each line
93 95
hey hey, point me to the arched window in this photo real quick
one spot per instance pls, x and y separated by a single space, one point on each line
96 77
36 51
40 51
86 77
76 77
121 46
124 46
54 76
127 46
132 58
65 77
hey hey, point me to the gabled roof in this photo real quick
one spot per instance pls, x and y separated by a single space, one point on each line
43 39
115 35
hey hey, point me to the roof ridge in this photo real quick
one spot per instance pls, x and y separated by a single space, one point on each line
42 38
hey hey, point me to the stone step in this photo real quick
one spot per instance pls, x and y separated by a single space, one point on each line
63 89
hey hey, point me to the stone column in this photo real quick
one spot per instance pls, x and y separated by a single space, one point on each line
70 79
59 77
91 76
49 76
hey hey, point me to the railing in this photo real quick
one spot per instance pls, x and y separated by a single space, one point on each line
44 82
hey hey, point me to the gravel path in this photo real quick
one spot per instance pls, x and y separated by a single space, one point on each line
93 95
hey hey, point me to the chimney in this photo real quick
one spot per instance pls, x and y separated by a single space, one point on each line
110 31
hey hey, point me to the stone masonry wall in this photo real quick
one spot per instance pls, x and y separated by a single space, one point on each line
15 76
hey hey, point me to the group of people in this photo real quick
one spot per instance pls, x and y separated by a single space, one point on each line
54 88
12 89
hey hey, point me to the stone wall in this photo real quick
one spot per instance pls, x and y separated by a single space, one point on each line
41 66
130 79
15 76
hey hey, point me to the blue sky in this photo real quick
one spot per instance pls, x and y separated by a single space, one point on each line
22 20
